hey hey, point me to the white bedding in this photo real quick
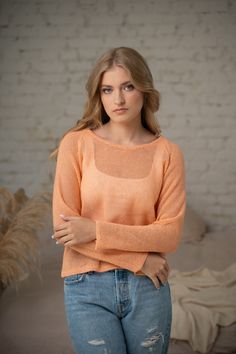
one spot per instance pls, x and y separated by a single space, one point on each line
202 300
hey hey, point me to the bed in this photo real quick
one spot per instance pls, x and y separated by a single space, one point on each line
32 319
203 284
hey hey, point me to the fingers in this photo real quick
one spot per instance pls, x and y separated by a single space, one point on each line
156 268
61 227
64 240
162 276
61 231
164 268
63 236
70 217
57 235
163 273
156 282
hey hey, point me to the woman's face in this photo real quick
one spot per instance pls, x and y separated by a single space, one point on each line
121 100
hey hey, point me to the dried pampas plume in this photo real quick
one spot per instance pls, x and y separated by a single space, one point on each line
20 218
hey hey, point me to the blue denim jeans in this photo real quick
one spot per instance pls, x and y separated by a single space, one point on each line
117 312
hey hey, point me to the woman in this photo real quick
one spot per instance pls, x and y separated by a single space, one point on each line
118 207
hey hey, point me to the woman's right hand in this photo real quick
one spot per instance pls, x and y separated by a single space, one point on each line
156 268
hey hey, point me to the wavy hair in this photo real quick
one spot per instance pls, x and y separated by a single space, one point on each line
94 114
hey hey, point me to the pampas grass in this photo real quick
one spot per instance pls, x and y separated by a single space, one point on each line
20 218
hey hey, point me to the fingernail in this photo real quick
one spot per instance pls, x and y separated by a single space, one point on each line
62 215
57 243
52 236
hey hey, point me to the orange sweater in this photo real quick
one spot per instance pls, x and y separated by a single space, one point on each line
135 194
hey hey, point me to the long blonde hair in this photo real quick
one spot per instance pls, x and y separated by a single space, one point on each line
94 114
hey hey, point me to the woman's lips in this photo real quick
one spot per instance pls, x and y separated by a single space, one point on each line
120 110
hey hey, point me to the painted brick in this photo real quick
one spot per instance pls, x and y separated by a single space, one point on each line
48 48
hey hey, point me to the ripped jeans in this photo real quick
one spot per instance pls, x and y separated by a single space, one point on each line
117 312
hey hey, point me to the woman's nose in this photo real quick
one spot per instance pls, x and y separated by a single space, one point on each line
119 98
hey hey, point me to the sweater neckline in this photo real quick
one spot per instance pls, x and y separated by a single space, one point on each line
120 146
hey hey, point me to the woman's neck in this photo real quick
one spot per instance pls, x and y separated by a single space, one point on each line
125 134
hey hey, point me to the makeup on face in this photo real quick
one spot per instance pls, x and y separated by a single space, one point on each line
119 96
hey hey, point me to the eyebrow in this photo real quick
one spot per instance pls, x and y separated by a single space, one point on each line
123 83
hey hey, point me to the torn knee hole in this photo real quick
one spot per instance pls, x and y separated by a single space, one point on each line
97 342
153 339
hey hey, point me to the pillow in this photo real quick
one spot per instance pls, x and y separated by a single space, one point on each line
216 251
194 226
187 258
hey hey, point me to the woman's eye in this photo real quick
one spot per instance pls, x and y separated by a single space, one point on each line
129 87
106 90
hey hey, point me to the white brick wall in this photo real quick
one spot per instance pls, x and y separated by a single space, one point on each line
47 49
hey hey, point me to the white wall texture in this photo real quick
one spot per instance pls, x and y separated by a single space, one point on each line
47 48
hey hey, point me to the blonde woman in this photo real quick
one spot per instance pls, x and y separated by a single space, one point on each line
118 208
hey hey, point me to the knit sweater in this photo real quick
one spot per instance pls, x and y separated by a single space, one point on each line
135 195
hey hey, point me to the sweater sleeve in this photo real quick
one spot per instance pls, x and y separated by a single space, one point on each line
67 200
164 234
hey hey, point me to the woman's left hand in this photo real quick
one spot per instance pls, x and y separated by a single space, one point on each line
75 230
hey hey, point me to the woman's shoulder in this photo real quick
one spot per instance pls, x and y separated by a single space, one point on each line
72 139
75 134
169 144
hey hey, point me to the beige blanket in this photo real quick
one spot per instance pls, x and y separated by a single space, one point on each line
202 300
